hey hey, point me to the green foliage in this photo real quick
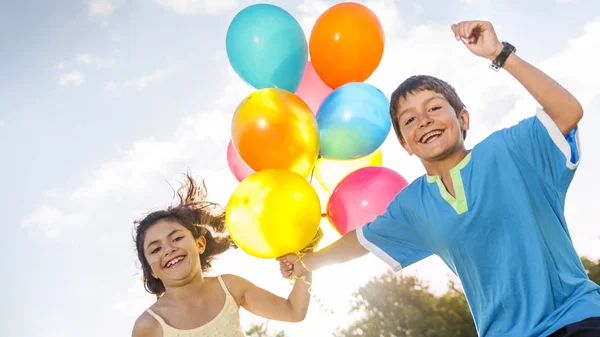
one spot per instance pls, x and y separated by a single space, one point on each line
262 330
402 306
592 268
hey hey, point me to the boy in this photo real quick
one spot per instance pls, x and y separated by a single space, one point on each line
495 214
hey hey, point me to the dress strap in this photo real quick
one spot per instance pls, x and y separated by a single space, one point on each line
157 317
228 295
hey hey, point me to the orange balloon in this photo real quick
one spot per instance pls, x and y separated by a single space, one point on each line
274 129
346 44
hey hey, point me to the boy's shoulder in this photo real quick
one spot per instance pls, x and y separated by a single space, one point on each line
499 136
411 190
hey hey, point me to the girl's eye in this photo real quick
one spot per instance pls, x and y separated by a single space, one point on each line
178 238
408 121
155 250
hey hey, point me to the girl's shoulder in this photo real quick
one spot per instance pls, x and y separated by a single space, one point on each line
235 285
146 326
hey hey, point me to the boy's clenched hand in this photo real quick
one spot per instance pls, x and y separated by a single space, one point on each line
479 37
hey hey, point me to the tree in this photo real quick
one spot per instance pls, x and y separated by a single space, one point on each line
262 330
592 268
402 306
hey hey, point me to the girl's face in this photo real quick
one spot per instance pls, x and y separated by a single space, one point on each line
172 252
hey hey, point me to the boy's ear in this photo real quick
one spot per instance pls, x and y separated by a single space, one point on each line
406 147
464 119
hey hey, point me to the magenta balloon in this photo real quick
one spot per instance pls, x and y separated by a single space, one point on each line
361 196
237 166
312 90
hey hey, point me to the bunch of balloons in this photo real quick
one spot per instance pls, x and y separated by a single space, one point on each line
306 118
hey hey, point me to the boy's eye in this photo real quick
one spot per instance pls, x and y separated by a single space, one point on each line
435 108
178 238
155 250
408 121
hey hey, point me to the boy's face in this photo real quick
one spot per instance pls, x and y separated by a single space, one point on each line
429 125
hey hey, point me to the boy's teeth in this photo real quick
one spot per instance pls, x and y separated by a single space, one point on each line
430 135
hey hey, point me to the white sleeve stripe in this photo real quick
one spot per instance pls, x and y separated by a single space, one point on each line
559 139
395 265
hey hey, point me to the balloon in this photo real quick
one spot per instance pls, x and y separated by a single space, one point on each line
312 90
346 44
267 47
273 213
330 172
274 129
361 196
237 166
353 121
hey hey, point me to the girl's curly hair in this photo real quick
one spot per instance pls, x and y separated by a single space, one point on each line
201 217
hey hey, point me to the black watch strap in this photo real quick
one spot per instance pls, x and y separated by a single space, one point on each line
501 58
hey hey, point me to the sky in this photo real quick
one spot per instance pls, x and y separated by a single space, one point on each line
105 103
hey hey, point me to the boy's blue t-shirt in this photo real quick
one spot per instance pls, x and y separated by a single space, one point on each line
504 234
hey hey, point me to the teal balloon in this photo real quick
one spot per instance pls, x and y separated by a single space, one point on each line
354 121
267 47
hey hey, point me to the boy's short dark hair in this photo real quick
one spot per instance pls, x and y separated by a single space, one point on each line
418 83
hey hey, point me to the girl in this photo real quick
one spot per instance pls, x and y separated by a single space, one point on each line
175 247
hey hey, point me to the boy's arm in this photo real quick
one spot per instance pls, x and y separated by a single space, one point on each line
343 250
564 109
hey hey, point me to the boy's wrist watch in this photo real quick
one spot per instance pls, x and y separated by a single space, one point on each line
501 58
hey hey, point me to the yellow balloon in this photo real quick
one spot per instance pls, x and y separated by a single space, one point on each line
273 213
330 172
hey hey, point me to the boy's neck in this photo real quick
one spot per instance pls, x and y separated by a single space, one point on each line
443 166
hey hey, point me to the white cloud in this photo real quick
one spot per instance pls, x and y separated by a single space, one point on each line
576 65
476 2
98 62
197 6
75 78
199 143
51 221
103 7
52 193
140 83
387 12
147 79
309 13
60 66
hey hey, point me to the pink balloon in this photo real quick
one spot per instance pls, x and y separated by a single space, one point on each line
237 166
361 196
312 90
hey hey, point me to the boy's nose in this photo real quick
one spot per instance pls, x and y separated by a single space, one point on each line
425 121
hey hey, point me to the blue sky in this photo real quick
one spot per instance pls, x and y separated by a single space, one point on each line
105 101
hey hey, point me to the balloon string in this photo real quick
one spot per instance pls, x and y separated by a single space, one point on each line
311 246
312 172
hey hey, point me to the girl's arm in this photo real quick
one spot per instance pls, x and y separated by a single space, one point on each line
268 305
